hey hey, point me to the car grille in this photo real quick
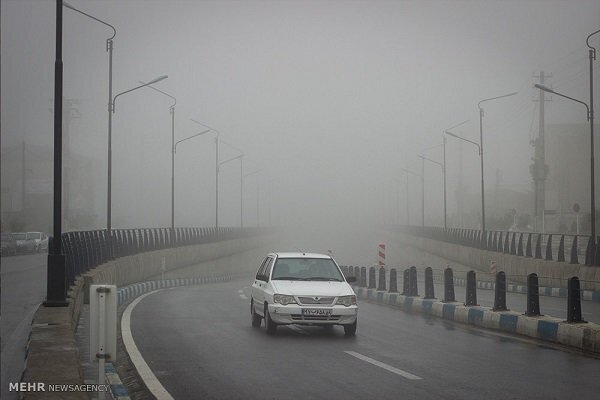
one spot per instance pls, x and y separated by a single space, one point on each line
312 300
300 317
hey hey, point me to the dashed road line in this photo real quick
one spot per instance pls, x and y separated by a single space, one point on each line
243 296
385 366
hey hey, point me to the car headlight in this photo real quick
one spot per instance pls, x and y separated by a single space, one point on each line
284 299
346 300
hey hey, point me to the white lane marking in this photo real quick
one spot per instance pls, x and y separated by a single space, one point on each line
240 291
138 361
397 371
243 296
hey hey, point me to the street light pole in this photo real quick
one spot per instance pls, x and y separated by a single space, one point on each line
592 57
56 289
407 171
242 188
466 140
216 171
423 159
444 168
172 112
109 48
173 176
481 159
590 117
109 189
232 159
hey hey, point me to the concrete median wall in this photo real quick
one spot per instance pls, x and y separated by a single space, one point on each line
52 355
550 273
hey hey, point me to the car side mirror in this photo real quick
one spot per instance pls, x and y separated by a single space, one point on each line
350 279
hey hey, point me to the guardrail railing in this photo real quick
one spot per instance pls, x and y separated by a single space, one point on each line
85 250
573 249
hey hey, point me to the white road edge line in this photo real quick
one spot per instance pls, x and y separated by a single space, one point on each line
243 296
397 371
138 361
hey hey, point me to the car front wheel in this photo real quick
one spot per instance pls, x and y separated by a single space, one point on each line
269 324
350 330
255 316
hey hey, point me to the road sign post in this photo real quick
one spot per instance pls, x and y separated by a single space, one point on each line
103 328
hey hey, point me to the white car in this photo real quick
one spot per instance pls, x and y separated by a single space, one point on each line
304 289
40 241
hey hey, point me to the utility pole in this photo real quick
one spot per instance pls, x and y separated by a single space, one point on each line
23 202
539 169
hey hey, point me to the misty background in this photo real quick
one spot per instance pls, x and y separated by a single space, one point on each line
329 100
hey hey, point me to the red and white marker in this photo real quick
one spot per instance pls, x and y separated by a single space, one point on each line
492 267
381 254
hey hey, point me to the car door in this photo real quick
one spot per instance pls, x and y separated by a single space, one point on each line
267 288
257 286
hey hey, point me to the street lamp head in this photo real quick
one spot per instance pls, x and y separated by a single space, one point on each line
160 78
497 97
542 87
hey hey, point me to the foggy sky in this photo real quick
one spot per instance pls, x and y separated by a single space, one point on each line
329 99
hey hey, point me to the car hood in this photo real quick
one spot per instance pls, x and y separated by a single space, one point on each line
312 288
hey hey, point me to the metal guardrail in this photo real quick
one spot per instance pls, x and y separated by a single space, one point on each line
85 250
574 249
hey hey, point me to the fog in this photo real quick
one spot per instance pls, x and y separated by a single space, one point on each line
328 100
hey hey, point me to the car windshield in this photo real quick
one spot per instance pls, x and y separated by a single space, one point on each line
33 235
20 236
306 269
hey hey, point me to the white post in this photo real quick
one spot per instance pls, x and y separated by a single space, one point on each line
103 329
101 339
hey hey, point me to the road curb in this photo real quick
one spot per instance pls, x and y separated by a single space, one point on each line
583 336
130 292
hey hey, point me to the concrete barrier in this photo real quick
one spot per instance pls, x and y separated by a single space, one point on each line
52 355
582 336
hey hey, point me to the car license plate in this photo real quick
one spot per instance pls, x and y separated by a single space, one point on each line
316 311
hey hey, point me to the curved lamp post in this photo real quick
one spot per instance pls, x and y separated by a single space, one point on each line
407 171
590 117
172 111
444 169
216 170
240 157
423 158
242 194
112 109
481 157
173 174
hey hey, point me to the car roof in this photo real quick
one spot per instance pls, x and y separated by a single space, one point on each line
300 255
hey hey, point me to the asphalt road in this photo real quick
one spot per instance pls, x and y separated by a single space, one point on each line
199 343
23 289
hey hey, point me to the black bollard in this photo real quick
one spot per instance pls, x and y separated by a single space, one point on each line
393 281
406 283
448 286
574 301
382 285
363 276
344 269
500 292
471 298
533 296
429 292
414 291
372 283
